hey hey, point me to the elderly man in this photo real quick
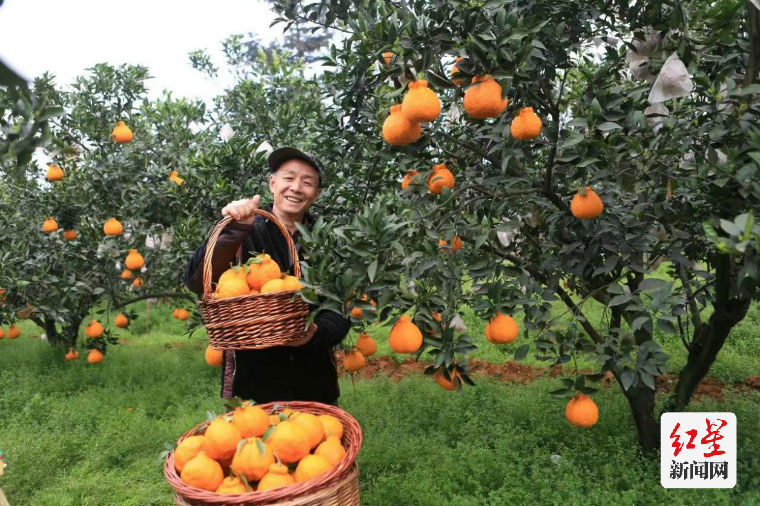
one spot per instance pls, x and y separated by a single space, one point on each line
307 370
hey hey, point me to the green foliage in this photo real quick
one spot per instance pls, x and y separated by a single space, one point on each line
99 429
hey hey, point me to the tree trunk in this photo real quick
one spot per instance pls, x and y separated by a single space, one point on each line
641 399
703 351
51 331
710 339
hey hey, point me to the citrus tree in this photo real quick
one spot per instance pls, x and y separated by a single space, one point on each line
647 114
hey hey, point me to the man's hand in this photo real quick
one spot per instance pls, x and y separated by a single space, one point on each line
242 210
306 338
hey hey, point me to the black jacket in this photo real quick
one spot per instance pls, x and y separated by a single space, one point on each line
280 373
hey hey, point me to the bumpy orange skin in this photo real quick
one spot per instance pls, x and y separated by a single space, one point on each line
181 314
526 125
251 420
113 227
122 133
483 99
332 450
14 332
221 439
588 206
502 329
259 273
134 260
231 485
421 104
203 472
94 329
366 345
582 411
95 356
290 442
331 425
405 336
455 71
54 173
213 356
353 361
186 451
277 477
311 466
70 235
49 225
399 130
440 178
249 461
410 178
444 383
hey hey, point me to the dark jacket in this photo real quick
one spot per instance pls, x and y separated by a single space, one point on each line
280 373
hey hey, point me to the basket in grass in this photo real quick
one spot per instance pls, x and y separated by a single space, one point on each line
253 321
336 486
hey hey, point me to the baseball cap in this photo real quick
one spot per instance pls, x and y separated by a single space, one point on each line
282 155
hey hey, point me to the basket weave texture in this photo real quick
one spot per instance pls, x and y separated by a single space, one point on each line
254 321
337 487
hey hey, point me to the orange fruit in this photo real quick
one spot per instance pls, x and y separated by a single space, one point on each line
134 260
203 472
456 243
310 422
332 450
366 345
121 321
94 329
54 173
181 314
289 441
95 356
70 235
398 129
260 270
14 332
388 57
405 336
221 439
331 425
121 133
186 450
291 283
410 178
502 329
72 354
138 282
213 356
252 459
231 485
113 227
126 274
483 99
440 178
311 466
420 104
582 411
455 71
276 477
49 225
274 419
586 204
353 361
232 283
447 384
274 285
251 420
526 125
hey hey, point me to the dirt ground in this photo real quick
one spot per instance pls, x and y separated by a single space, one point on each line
514 372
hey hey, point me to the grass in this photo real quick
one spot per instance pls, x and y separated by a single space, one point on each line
76 433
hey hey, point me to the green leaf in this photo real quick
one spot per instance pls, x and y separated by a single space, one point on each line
608 126
372 270
521 352
617 300
730 228
627 378
571 141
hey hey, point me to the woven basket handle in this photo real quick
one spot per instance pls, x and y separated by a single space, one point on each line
211 245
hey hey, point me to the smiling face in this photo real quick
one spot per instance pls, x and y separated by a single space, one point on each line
295 186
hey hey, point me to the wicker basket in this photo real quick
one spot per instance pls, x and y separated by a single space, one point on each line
337 487
253 321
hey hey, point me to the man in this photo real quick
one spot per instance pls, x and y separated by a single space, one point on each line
306 370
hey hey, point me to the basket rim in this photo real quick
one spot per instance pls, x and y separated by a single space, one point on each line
352 441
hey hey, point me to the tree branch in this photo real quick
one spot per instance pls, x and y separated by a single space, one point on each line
696 319
541 278
174 295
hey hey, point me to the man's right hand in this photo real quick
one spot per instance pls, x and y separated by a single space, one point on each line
242 210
